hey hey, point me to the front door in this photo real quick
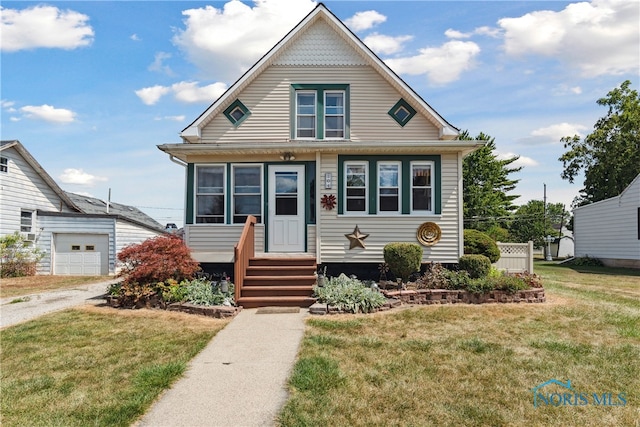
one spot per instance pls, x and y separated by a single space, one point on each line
286 208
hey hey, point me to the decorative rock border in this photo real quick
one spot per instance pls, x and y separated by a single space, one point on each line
216 311
443 296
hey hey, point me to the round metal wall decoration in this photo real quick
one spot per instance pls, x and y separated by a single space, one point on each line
429 233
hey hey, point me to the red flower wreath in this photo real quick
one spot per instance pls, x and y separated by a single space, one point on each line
328 201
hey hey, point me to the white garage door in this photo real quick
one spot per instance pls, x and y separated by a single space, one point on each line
81 254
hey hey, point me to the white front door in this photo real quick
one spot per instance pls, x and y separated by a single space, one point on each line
286 208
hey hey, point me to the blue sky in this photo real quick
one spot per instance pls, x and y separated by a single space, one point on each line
90 88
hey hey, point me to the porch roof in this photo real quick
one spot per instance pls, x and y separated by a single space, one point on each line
182 151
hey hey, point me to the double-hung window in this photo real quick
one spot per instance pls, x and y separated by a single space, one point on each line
305 114
210 194
4 164
26 221
389 177
247 192
421 187
334 118
356 180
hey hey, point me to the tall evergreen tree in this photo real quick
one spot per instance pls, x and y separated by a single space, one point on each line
486 185
610 155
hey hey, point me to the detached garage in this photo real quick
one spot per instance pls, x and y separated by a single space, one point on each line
81 254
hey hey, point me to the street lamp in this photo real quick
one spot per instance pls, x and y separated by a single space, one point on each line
548 239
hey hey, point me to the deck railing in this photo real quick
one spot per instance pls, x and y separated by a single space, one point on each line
243 252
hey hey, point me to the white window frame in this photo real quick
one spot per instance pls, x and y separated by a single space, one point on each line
224 193
24 227
431 186
233 189
365 165
315 114
381 164
4 164
344 111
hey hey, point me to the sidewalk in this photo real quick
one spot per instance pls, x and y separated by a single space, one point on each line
239 379
47 302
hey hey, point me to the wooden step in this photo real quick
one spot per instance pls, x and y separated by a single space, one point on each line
277 291
283 261
281 270
307 280
280 301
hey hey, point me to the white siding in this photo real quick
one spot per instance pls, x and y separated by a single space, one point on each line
215 243
609 229
130 234
385 229
268 99
67 225
21 187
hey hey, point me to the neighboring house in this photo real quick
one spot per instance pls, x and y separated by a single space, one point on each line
78 235
610 229
562 246
331 151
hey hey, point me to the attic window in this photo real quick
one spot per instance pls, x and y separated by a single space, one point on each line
4 164
402 112
236 113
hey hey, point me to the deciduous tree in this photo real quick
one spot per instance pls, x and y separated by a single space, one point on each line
610 155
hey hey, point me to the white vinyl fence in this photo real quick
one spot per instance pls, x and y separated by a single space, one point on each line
515 257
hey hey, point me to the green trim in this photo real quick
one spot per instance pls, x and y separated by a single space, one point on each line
233 106
228 195
320 89
394 110
406 180
190 192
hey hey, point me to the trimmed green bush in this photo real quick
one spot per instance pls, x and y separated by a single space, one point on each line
478 266
403 258
479 243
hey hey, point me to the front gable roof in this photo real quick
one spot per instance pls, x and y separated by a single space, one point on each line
15 144
289 51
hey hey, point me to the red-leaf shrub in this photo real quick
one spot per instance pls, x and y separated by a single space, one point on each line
156 260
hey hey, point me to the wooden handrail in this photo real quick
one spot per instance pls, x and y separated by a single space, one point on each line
243 252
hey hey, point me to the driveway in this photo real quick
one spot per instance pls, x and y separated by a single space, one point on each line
47 302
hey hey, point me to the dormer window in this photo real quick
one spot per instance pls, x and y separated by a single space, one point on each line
320 111
236 113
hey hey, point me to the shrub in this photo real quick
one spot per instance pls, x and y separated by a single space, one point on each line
481 286
18 257
532 280
157 260
434 277
203 292
403 258
349 295
498 233
478 243
509 283
586 261
477 266
458 280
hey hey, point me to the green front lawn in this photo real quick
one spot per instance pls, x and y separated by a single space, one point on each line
462 365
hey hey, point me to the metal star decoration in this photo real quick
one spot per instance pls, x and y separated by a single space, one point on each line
356 238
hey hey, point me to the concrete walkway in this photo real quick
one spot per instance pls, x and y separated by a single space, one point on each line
47 302
239 379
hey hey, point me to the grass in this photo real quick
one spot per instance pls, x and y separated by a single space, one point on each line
476 365
20 286
95 366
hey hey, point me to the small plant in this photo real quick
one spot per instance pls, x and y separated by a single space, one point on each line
172 291
480 286
586 261
114 289
477 266
204 292
457 280
18 257
478 243
134 294
532 280
434 277
403 258
508 283
349 295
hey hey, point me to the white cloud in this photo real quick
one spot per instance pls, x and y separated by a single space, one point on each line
365 20
44 26
225 42
14 119
563 89
172 118
49 113
442 64
135 37
599 38
188 92
79 177
158 63
522 160
455 34
554 132
385 45
487 31
7 104
151 95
